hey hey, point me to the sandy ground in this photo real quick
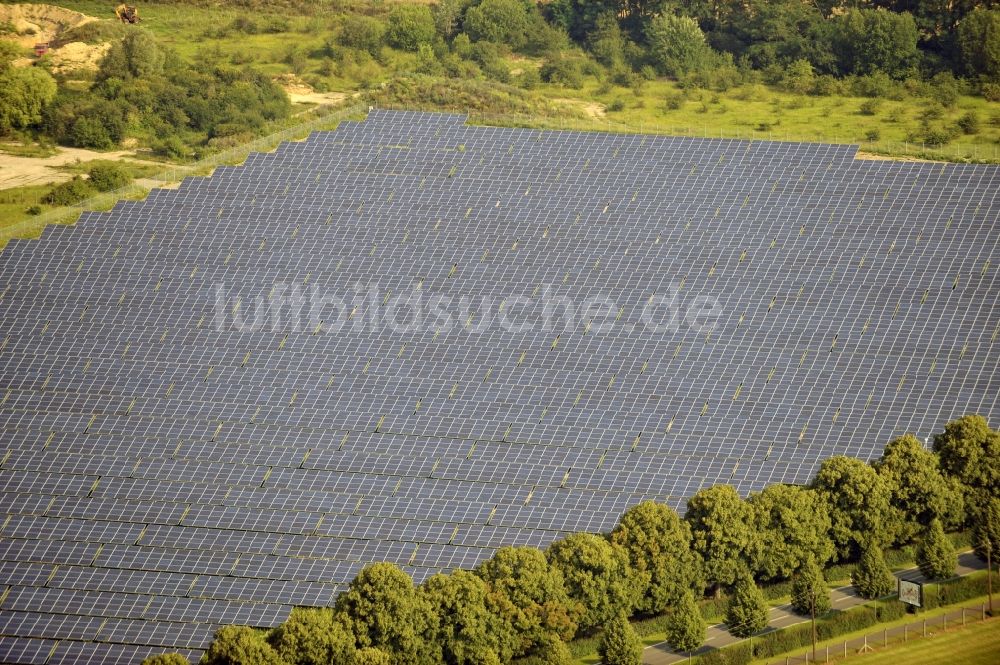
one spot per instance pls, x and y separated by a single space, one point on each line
870 155
40 23
21 171
44 23
592 109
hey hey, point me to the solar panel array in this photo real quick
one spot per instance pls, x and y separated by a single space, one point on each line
166 470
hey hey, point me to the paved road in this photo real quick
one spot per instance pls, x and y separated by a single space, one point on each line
782 616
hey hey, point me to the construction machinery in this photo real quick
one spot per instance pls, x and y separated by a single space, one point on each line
127 14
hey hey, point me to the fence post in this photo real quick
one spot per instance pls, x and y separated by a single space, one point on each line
885 637
963 617
925 627
905 626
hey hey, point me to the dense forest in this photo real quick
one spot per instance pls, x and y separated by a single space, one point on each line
523 605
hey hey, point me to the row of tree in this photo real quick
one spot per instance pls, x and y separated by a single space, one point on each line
526 603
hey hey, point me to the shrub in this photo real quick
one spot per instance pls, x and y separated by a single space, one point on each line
562 71
69 192
870 107
616 105
34 210
106 177
499 21
873 135
529 78
991 91
969 123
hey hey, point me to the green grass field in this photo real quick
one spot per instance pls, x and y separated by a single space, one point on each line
977 644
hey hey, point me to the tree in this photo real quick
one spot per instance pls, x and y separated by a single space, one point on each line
410 26
677 45
684 624
384 610
747 611
986 530
448 16
619 643
870 40
857 500
872 577
470 619
658 544
541 610
552 651
578 17
793 525
498 21
137 55
240 645
936 554
166 659
24 94
979 42
363 33
606 41
809 590
722 532
799 77
918 491
313 636
597 576
970 451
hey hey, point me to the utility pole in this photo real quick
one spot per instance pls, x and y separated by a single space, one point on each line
812 597
989 574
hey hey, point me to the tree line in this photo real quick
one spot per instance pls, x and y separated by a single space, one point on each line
525 604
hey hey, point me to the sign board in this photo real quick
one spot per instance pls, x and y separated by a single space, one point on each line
911 593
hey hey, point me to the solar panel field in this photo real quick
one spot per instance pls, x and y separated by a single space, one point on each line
415 340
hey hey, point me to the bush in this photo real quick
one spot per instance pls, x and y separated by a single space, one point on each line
34 210
616 105
873 135
562 71
106 177
969 123
870 107
70 192
529 78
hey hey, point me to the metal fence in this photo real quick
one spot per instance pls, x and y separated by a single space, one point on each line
324 118
914 630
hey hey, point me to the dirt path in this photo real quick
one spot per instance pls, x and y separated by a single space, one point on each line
20 171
